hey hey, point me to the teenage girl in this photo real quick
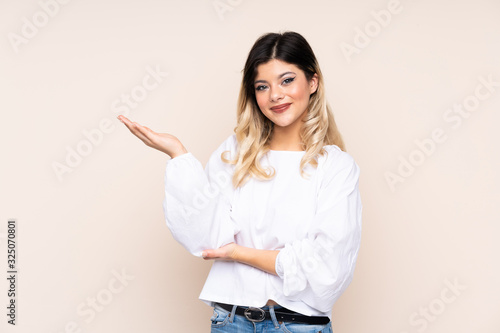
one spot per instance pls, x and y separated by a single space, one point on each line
277 206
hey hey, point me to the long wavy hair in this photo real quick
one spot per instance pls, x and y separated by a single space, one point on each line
254 130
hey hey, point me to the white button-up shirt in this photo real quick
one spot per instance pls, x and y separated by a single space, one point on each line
315 223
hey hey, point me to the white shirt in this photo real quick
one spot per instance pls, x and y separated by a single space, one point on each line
315 223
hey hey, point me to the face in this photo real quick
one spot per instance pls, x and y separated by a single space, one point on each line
279 84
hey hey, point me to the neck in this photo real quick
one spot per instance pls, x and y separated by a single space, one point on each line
283 139
287 138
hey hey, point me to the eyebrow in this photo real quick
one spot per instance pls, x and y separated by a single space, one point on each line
279 77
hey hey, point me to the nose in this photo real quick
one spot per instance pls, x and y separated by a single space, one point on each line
276 94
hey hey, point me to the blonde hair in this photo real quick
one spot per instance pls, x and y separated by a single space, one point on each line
254 130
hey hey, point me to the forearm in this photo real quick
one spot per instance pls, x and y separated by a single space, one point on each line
262 259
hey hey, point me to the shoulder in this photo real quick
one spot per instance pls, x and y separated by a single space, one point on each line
336 163
231 141
335 157
229 144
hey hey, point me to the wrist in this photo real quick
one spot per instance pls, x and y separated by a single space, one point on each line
179 152
237 253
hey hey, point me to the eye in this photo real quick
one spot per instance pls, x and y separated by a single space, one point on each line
288 80
261 87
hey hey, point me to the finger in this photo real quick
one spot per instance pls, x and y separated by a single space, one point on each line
131 126
141 134
127 122
146 131
148 134
209 254
135 128
124 119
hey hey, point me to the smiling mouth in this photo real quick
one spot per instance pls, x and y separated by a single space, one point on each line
281 108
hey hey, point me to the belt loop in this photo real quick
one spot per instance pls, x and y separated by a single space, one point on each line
273 316
233 311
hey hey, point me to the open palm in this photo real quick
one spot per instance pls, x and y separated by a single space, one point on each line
164 142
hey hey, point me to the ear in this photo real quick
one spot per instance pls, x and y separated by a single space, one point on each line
313 84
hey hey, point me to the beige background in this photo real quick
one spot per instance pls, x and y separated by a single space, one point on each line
440 224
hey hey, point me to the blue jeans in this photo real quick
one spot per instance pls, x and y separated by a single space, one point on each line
226 321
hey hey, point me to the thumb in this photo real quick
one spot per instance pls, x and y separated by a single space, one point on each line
205 254
209 254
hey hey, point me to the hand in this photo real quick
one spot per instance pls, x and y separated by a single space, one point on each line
164 142
226 252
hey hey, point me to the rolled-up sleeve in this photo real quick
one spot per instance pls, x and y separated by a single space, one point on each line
317 269
197 202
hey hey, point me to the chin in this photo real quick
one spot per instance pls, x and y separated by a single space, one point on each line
282 124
